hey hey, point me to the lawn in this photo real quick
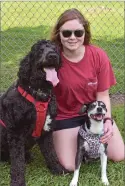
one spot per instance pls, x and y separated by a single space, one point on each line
23 23
38 175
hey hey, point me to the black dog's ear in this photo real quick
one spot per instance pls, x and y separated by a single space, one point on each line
37 45
26 64
83 109
25 69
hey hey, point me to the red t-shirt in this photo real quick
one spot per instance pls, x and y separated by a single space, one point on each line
79 82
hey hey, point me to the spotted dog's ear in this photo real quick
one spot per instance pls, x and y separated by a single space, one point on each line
83 109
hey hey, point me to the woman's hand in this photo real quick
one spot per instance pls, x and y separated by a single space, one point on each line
108 132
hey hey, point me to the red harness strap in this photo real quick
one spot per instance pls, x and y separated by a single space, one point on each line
41 109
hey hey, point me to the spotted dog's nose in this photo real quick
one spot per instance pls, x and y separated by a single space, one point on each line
99 109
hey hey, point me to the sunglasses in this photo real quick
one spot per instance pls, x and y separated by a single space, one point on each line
68 33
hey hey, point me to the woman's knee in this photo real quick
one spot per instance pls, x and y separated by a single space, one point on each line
117 157
68 165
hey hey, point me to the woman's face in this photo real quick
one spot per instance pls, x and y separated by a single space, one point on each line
72 35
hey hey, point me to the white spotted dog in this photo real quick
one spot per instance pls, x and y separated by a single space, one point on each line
89 145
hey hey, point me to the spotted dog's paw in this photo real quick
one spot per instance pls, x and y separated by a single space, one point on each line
73 183
105 181
47 123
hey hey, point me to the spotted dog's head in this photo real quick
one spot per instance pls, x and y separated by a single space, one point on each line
95 110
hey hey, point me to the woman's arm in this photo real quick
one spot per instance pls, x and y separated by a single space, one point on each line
108 129
104 96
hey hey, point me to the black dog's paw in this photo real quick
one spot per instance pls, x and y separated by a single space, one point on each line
28 158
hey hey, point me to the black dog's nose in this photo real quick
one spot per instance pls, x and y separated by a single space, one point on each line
52 57
99 109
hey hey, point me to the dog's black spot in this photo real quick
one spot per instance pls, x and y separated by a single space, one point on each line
88 123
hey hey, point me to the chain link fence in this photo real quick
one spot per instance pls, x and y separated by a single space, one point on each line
23 23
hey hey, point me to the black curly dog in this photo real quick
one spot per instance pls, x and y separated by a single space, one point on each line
18 115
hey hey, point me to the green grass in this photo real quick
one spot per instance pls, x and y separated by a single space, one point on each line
23 23
38 175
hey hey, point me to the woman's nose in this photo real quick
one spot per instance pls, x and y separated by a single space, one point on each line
72 36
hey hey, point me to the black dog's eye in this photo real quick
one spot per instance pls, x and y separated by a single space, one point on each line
55 49
41 50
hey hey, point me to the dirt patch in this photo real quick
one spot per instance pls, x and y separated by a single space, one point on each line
117 99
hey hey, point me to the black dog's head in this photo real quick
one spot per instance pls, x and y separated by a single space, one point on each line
38 70
95 110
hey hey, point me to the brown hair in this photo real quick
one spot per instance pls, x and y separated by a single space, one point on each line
68 15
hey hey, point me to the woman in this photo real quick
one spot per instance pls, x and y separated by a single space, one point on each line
86 75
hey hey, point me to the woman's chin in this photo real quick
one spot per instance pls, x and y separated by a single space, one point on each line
72 47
